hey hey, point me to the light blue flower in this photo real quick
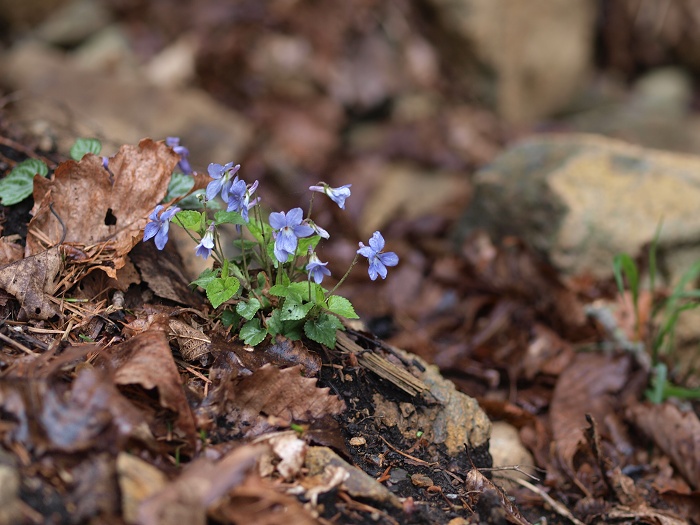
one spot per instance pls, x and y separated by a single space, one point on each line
206 245
288 229
337 195
223 179
184 164
239 198
317 229
378 260
159 226
317 269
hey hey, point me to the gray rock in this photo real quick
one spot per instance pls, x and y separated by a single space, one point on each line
74 22
581 199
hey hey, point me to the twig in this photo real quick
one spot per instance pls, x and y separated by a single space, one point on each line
558 507
17 345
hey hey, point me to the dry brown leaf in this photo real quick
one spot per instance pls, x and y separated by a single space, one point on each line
31 281
271 397
147 360
98 208
90 413
185 499
10 251
587 386
676 433
137 481
192 342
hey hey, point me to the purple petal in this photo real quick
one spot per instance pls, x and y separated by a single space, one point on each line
169 213
162 235
366 251
277 220
280 254
388 258
286 240
150 231
154 214
215 170
302 230
213 189
294 216
377 242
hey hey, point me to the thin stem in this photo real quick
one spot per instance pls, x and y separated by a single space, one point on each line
263 246
311 205
352 265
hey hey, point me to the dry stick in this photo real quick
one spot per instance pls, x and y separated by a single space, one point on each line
558 507
17 345
419 461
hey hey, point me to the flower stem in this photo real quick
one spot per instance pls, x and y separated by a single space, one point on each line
352 265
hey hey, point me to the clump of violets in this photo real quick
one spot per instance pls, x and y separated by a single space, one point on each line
272 284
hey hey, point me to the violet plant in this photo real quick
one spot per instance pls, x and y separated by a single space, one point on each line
273 283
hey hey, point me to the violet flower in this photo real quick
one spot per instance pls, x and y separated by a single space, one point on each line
337 195
239 198
159 226
174 142
288 229
378 260
223 179
206 245
317 269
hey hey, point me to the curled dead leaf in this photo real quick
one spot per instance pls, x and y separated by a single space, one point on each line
31 281
101 207
192 342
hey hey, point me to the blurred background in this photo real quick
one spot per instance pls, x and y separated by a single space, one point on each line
405 100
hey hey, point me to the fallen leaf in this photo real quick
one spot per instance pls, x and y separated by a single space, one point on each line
192 342
138 480
147 360
31 281
271 398
92 414
186 499
587 386
100 207
676 433
10 251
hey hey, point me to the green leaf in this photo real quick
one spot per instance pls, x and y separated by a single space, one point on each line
341 306
189 219
293 309
257 230
205 278
323 329
247 309
19 183
303 246
32 167
252 333
275 325
229 217
624 265
221 290
280 290
84 146
180 184
245 244
229 318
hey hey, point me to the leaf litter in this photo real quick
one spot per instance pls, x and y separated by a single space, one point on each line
75 415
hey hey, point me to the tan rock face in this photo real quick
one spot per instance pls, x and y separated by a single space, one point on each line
539 51
581 199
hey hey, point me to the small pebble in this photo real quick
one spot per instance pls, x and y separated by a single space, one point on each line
358 441
421 480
